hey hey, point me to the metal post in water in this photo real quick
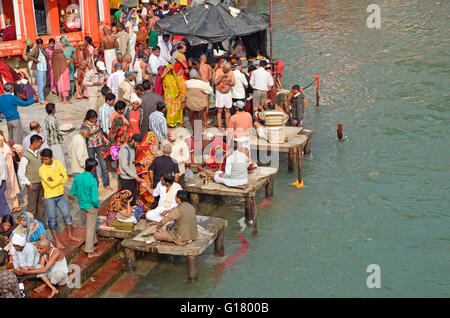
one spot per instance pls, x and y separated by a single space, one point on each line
317 90
340 131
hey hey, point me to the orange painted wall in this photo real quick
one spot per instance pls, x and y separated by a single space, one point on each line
8 10
53 13
29 18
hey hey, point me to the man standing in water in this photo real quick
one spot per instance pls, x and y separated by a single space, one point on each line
223 81
295 107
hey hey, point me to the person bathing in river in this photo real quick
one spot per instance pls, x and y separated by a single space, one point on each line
295 107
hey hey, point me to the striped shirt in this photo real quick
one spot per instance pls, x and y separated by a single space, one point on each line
158 124
42 65
105 113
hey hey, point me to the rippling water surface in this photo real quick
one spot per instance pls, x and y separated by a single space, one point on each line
381 196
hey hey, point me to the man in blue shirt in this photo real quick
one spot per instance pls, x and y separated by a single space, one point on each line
8 106
84 187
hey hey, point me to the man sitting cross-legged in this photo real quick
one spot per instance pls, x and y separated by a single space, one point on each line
52 268
184 228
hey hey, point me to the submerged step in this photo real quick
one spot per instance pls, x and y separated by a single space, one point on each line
101 280
88 266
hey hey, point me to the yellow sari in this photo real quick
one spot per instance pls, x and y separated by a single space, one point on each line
172 98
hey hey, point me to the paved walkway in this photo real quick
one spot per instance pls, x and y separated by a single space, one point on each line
66 113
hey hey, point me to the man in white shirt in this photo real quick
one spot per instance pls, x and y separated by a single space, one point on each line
236 173
261 82
35 129
166 189
28 174
197 100
116 78
166 47
26 255
78 150
155 61
240 83
4 208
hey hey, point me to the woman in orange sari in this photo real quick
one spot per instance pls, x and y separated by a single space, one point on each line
145 154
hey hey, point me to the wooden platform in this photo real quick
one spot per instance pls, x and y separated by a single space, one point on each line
296 137
210 229
120 234
260 177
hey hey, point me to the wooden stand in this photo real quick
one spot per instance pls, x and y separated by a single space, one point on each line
269 188
195 200
250 212
219 244
307 148
291 159
131 260
192 268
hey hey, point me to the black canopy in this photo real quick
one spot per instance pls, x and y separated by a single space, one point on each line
212 22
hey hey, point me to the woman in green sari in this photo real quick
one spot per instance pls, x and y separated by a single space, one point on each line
69 50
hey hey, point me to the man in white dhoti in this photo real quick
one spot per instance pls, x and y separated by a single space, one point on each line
108 45
235 168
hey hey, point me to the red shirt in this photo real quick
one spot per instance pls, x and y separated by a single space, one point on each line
9 34
134 121
280 67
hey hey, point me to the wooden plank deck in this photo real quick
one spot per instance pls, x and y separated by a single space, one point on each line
120 234
260 177
296 138
210 229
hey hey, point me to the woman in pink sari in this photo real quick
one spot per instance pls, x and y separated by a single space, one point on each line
50 48
60 71
159 87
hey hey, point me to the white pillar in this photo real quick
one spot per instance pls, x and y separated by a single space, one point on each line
17 19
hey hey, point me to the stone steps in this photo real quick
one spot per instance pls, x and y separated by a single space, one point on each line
71 252
104 278
144 265
88 266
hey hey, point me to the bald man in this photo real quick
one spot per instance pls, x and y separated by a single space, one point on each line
223 81
52 268
35 129
9 33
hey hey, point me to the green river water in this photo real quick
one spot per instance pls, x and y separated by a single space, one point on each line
379 197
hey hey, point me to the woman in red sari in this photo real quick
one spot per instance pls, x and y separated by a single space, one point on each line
145 154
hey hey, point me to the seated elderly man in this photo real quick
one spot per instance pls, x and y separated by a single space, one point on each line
271 124
180 150
9 285
26 255
184 227
52 268
166 189
235 168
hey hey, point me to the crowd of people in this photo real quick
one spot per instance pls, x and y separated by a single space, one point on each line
139 85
